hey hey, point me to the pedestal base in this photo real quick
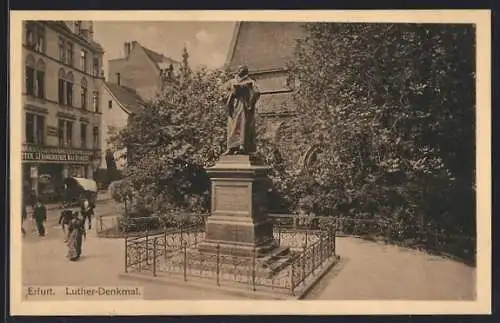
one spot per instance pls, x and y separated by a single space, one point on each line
239 225
267 265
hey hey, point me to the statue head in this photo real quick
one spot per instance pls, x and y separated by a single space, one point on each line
242 71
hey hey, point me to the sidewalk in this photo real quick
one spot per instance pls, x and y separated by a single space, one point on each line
367 271
102 197
45 264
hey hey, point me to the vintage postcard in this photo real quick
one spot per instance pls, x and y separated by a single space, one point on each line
250 162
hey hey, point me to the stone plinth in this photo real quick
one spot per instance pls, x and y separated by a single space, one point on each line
239 222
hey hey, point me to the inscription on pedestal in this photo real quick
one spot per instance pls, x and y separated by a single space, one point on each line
231 198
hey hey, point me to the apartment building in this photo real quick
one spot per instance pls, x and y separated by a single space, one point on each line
62 85
140 69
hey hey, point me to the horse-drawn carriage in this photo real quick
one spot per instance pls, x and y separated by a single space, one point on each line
74 192
76 188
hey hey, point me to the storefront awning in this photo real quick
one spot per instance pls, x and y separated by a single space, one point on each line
85 183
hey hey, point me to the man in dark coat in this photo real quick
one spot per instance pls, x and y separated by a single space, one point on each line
65 219
40 217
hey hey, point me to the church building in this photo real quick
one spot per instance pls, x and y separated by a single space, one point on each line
267 48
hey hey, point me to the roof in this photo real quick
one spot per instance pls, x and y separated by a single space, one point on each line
263 45
85 183
127 97
158 59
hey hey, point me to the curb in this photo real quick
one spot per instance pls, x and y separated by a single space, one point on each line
326 269
166 280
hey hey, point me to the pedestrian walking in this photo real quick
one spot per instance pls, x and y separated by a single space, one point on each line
64 221
87 211
40 217
76 233
24 215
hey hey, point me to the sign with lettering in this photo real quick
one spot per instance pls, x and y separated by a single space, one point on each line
56 156
231 198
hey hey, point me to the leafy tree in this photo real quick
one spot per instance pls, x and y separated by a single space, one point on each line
391 108
173 138
185 68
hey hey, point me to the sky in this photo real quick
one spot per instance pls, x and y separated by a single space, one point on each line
207 42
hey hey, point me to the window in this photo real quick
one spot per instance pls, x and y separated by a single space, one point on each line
62 50
95 66
61 83
30 34
95 137
69 89
35 36
40 85
95 101
83 135
60 132
69 134
40 130
110 104
118 78
69 94
69 53
83 60
30 128
84 94
35 129
40 39
61 91
40 79
30 80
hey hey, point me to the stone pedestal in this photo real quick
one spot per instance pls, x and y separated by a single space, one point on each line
239 222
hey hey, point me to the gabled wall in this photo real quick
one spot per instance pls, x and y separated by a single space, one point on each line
137 72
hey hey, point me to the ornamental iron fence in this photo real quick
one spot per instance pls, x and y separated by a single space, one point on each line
174 252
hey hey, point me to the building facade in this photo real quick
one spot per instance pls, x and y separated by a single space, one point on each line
267 48
61 116
140 69
118 103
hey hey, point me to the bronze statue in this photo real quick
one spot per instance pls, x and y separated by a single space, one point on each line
243 95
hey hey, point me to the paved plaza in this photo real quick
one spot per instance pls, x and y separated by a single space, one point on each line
367 271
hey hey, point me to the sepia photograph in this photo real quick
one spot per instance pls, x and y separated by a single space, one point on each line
339 158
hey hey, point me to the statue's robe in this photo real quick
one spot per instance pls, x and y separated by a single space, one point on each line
241 134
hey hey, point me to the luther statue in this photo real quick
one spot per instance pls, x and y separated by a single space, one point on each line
242 97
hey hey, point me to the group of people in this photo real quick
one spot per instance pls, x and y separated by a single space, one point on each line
71 220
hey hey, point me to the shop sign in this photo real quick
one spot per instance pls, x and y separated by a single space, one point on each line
60 156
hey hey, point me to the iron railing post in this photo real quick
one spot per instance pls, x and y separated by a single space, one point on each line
147 246
314 257
292 274
165 242
154 256
126 254
304 265
218 264
279 234
253 268
185 261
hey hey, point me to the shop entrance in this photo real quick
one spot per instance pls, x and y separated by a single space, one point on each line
50 181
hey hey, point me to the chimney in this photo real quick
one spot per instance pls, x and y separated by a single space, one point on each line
126 48
91 30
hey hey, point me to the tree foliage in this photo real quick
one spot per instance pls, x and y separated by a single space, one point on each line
174 137
391 108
